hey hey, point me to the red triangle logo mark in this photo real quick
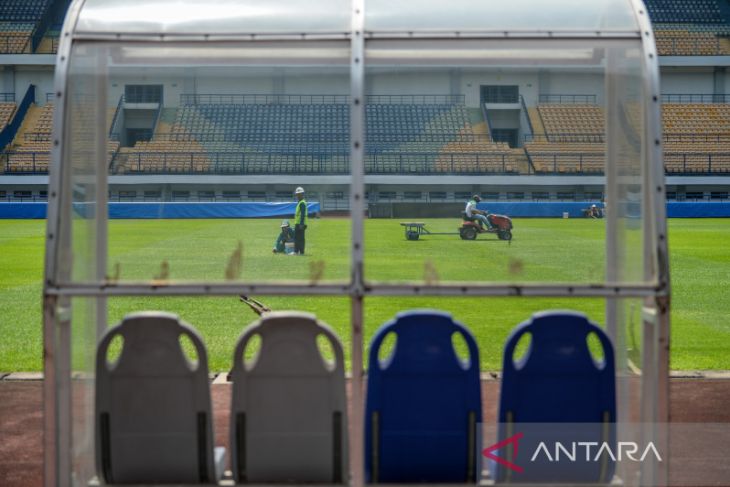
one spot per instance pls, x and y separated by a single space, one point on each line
514 441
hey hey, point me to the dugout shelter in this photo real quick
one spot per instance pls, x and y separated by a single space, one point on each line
363 60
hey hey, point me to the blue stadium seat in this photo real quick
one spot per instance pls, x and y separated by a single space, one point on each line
423 403
557 381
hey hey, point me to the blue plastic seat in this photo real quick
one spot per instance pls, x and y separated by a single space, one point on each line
557 381
423 403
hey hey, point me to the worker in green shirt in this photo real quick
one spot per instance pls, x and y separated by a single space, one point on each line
300 221
285 241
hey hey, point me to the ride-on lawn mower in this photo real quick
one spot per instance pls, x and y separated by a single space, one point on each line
469 229
500 224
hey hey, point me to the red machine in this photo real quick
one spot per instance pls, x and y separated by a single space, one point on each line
501 225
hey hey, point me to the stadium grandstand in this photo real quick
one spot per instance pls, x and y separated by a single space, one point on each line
521 126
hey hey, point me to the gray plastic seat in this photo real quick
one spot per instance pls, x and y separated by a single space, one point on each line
289 409
153 406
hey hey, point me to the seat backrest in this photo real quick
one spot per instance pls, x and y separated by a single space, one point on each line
557 381
153 406
289 407
423 402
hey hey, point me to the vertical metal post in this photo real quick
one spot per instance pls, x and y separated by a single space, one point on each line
56 311
615 319
357 212
50 399
102 187
612 193
656 313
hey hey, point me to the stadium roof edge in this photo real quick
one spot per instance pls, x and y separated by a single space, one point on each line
694 61
28 59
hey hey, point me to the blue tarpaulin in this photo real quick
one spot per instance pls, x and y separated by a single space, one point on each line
679 209
166 210
536 209
555 209
517 209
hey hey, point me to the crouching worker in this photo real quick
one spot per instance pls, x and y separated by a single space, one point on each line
285 242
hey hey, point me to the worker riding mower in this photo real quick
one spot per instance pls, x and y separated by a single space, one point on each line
500 224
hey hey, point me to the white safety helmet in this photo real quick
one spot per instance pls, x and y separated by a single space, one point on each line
299 190
284 223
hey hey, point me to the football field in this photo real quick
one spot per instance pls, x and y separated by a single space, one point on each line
542 250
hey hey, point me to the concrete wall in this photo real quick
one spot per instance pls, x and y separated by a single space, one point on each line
687 80
409 82
41 76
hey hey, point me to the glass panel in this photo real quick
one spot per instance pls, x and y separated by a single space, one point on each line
431 129
482 16
205 147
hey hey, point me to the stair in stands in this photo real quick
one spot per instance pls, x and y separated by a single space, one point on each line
536 121
29 122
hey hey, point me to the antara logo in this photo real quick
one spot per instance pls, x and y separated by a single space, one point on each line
626 449
589 451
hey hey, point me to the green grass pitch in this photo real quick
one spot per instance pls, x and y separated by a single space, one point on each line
543 249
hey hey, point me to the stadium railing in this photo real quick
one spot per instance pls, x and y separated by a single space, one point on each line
202 99
415 99
425 163
32 162
113 126
205 99
700 138
578 138
695 98
697 163
561 162
569 99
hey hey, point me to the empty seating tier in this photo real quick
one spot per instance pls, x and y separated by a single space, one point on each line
697 137
402 138
692 41
683 11
30 152
571 119
432 135
7 109
17 21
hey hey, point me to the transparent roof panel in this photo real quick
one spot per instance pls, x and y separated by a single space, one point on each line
499 16
228 17
221 17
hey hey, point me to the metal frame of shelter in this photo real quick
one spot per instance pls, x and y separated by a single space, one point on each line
59 288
